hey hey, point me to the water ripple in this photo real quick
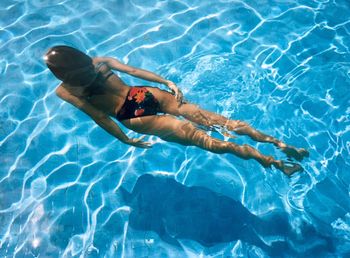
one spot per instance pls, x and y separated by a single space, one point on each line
282 67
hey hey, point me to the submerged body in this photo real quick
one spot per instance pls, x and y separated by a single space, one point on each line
176 212
139 108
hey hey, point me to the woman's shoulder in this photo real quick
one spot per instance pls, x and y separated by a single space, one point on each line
61 91
65 91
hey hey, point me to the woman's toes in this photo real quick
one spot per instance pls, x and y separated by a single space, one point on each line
295 153
289 168
304 152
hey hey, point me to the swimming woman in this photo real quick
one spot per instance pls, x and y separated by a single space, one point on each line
91 86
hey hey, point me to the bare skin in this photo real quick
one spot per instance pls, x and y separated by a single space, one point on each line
168 126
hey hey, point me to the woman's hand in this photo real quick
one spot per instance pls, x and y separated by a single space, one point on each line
178 94
139 143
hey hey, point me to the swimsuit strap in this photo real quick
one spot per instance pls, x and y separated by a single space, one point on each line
98 66
106 75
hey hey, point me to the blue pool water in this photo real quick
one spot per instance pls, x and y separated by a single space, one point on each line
67 188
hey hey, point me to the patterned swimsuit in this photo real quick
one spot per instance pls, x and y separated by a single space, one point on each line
139 102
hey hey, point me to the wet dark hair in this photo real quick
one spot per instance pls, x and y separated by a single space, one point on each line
70 65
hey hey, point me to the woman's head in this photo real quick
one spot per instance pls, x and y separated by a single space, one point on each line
70 65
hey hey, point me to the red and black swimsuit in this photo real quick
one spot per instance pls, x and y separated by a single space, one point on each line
139 102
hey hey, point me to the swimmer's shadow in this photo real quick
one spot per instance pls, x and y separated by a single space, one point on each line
175 211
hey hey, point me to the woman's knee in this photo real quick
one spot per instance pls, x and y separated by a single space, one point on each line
246 149
187 109
217 146
196 137
238 126
195 114
242 124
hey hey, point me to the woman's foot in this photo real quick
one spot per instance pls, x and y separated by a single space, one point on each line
289 168
293 152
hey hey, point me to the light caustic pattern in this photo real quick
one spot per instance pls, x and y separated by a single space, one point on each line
282 66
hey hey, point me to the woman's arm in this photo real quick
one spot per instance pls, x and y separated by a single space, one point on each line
140 73
99 117
137 72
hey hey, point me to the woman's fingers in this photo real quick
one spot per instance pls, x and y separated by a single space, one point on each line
139 143
177 92
140 138
143 144
179 96
147 144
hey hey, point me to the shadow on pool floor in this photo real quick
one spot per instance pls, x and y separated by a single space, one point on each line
174 211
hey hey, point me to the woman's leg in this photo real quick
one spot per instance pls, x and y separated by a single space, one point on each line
202 117
197 115
173 130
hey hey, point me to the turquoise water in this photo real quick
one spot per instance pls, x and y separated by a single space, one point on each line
282 66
